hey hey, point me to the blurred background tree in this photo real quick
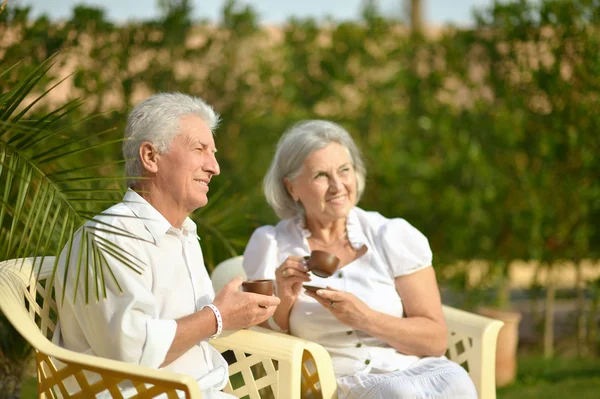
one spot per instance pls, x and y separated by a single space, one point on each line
482 137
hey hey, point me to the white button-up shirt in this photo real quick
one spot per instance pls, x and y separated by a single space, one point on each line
136 321
394 248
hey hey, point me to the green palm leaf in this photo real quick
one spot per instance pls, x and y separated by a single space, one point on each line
40 207
48 189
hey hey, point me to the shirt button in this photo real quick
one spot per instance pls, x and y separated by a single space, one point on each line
349 332
340 275
367 361
358 345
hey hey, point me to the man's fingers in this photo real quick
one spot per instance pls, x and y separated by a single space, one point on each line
264 314
235 283
264 300
269 301
265 311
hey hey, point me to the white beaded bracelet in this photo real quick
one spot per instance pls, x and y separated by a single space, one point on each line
218 317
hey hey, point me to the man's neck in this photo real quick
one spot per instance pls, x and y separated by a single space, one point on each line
164 204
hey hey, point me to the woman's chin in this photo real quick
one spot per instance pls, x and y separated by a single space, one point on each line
340 211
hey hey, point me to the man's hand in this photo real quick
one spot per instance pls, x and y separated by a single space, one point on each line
243 309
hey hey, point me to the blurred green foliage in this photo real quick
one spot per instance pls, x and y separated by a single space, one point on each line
483 138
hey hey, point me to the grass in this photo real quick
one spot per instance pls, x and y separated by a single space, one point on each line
537 378
29 389
556 378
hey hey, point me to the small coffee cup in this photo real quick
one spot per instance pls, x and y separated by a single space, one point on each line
322 264
262 286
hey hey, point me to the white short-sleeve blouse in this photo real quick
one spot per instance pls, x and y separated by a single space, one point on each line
394 248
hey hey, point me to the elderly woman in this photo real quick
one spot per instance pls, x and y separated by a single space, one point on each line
380 315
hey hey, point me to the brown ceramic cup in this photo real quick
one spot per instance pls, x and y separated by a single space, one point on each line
263 287
322 264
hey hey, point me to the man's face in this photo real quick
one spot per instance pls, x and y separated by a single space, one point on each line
186 168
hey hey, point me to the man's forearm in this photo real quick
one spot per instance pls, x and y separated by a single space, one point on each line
191 330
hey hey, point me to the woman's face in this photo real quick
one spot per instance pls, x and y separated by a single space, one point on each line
326 186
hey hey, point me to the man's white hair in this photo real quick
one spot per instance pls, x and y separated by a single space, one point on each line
157 120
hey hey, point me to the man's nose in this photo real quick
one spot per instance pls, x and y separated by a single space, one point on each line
212 166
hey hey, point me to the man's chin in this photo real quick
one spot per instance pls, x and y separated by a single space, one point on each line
201 202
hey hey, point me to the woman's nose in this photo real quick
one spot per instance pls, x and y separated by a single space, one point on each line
335 184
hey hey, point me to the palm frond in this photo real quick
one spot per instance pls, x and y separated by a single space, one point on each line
40 210
48 190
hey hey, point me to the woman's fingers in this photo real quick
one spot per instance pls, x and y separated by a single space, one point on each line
330 294
293 266
323 301
290 273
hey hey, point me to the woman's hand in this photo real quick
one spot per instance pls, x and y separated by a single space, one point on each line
346 307
289 277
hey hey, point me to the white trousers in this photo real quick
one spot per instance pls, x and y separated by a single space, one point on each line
427 378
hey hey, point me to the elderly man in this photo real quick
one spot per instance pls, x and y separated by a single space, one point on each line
160 308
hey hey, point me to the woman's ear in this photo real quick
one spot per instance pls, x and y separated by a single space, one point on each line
290 188
149 157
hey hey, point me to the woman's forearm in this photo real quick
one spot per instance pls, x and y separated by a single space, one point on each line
282 313
419 336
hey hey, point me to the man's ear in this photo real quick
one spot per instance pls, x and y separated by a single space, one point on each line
149 157
290 188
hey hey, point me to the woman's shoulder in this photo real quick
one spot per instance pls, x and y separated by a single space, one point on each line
375 224
263 252
283 227
369 219
376 221
405 247
284 230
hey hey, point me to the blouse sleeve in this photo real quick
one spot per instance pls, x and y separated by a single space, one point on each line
261 254
405 248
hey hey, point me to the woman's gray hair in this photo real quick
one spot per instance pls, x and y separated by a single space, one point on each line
157 120
296 144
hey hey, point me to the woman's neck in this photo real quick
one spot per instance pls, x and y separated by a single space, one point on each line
327 233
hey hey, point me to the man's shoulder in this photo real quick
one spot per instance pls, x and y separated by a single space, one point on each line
118 216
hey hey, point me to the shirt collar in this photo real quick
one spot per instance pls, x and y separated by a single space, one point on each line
154 221
353 228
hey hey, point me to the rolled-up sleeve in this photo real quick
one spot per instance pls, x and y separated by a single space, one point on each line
406 249
261 254
123 326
